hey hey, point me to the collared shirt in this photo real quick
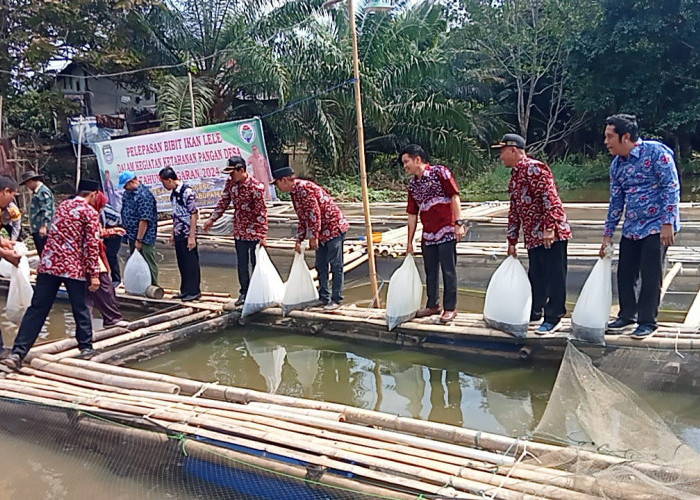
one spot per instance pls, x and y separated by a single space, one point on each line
250 216
138 205
431 196
535 204
41 208
73 245
319 215
645 186
109 217
184 202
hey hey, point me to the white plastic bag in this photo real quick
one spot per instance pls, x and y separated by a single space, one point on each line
266 288
5 269
509 299
19 296
137 275
404 295
592 310
300 290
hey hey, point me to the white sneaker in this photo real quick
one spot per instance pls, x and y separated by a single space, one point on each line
331 307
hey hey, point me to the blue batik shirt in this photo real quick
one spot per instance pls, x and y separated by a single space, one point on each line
645 185
138 205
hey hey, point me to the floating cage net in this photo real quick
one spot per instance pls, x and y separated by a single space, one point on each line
66 453
592 410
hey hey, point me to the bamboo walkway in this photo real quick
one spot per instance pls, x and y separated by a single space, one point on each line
364 451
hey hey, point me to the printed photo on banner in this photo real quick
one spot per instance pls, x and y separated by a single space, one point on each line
197 155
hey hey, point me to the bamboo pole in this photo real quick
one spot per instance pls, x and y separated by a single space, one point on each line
189 75
80 151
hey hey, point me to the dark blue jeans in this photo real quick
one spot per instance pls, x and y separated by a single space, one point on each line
188 265
329 255
44 295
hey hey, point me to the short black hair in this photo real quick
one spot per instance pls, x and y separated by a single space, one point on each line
624 124
168 173
7 182
414 150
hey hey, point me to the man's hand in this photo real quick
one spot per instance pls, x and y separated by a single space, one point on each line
607 241
7 244
171 240
263 242
548 238
94 283
409 248
512 251
138 244
118 231
297 247
43 231
191 242
12 257
208 225
460 231
313 243
667 236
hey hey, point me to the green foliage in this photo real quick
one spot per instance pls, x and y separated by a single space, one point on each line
174 103
34 111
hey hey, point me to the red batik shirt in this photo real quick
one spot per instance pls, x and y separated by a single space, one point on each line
319 215
250 216
73 245
431 195
535 204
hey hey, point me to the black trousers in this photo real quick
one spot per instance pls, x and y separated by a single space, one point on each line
39 242
113 244
643 259
435 257
329 255
44 295
547 273
188 264
245 253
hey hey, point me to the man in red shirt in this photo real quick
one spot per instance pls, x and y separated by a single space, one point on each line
247 195
323 223
71 257
433 192
535 206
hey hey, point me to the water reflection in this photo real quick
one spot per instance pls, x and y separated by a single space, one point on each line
455 390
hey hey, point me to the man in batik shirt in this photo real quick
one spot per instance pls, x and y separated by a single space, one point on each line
184 236
70 258
140 218
323 223
535 206
643 184
433 193
247 195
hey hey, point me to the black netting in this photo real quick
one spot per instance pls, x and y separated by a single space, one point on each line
62 452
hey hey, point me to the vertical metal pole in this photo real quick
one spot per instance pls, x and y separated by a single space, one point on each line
80 151
189 74
361 153
1 105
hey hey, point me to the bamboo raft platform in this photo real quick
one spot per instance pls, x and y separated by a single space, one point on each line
337 446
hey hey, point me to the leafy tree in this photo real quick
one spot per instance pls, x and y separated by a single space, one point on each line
530 43
643 57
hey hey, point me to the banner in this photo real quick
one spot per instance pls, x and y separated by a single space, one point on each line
197 155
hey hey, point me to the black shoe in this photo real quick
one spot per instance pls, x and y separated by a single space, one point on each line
188 298
88 351
620 323
241 300
179 295
643 331
12 361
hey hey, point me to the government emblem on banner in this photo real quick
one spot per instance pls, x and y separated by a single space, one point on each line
247 132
